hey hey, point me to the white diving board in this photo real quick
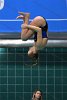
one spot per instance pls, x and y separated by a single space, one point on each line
20 43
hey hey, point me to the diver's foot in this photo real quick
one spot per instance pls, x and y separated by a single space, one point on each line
26 15
20 17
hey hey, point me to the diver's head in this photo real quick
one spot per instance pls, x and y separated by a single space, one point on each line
33 53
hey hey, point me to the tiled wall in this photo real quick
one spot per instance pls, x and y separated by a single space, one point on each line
18 81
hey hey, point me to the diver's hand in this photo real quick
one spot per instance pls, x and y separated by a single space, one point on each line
24 25
20 17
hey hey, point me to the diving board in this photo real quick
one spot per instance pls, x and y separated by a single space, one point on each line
19 43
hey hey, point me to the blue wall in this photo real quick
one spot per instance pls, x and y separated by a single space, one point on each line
54 9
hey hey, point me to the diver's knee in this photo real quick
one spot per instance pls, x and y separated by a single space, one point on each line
24 38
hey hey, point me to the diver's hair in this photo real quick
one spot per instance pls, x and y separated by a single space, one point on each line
35 56
33 98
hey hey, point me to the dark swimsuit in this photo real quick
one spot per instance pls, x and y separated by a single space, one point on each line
44 32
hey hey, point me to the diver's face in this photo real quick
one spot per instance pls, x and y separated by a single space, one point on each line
38 94
31 54
32 51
